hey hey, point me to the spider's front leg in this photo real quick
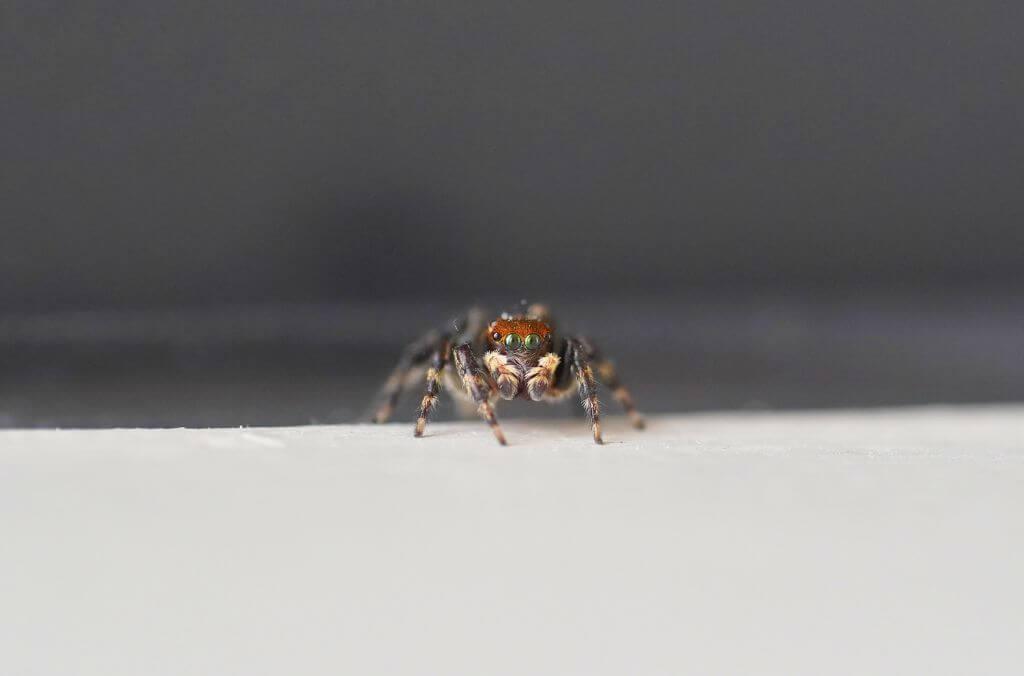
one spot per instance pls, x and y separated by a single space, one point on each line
478 387
579 363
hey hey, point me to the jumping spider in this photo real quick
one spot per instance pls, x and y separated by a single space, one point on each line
513 356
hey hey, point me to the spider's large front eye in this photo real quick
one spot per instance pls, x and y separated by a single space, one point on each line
532 341
513 341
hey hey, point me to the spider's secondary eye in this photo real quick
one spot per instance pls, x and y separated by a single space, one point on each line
513 341
496 335
532 341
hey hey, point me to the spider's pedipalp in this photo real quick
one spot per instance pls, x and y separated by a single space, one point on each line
505 377
540 377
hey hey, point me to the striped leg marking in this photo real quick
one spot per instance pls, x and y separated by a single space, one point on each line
588 390
478 388
437 363
611 379
412 358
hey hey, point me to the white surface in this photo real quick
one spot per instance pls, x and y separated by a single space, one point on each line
810 543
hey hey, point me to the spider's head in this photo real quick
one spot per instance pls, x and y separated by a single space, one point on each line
519 336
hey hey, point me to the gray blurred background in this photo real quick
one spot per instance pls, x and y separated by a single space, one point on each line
236 213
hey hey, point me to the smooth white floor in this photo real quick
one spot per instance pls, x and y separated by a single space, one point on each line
744 543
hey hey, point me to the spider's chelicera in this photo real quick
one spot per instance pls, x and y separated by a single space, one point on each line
515 356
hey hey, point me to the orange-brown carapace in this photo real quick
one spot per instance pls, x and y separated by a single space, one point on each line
519 334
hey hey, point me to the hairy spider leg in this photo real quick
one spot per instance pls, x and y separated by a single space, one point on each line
413 357
584 374
468 367
606 370
418 353
438 360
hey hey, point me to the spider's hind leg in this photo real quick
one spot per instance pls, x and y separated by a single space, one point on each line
606 370
413 357
610 378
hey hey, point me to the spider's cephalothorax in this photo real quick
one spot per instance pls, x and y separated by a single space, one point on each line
515 356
